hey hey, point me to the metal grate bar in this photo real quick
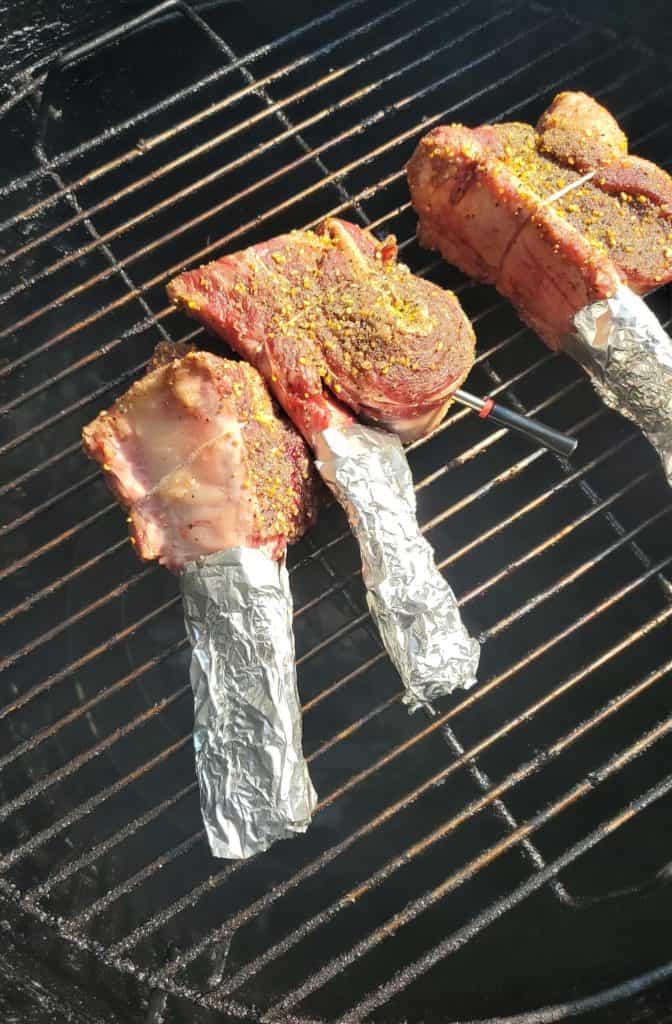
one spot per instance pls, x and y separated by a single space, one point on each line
37 840
74 666
518 835
538 763
49 545
484 783
115 267
297 197
214 880
38 467
196 186
273 108
50 634
32 599
261 91
48 503
75 763
99 649
540 500
90 856
572 576
559 535
62 414
51 730
132 122
533 884
22 94
128 885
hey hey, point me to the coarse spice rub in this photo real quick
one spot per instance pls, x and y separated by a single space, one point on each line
482 196
331 312
200 456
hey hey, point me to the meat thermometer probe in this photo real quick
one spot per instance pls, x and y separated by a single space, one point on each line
487 408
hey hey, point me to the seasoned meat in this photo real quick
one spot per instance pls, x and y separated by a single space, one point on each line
482 200
330 313
203 461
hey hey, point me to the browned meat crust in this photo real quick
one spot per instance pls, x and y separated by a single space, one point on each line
331 310
481 198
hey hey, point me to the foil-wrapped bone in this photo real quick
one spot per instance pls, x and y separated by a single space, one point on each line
411 603
628 355
253 777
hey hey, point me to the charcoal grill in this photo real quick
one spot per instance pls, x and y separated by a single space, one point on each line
501 857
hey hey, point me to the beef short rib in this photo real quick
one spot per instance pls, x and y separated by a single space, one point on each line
482 198
330 313
203 461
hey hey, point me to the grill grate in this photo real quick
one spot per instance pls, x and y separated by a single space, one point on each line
438 841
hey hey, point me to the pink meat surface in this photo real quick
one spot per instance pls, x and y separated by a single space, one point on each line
482 198
330 317
199 456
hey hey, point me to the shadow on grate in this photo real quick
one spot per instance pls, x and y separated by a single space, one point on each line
487 831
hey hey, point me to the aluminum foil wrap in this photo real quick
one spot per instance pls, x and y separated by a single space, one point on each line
254 781
629 358
414 608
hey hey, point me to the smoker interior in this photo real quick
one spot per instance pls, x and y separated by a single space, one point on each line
494 859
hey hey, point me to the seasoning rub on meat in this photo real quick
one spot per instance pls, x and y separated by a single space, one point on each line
482 198
331 312
203 461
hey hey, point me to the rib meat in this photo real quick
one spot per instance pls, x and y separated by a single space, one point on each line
202 460
482 200
329 313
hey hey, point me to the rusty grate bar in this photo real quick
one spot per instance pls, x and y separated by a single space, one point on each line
330 178
64 158
413 909
119 952
39 688
64 413
376 766
247 971
289 132
48 732
91 476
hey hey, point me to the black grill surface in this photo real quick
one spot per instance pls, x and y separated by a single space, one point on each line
494 859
